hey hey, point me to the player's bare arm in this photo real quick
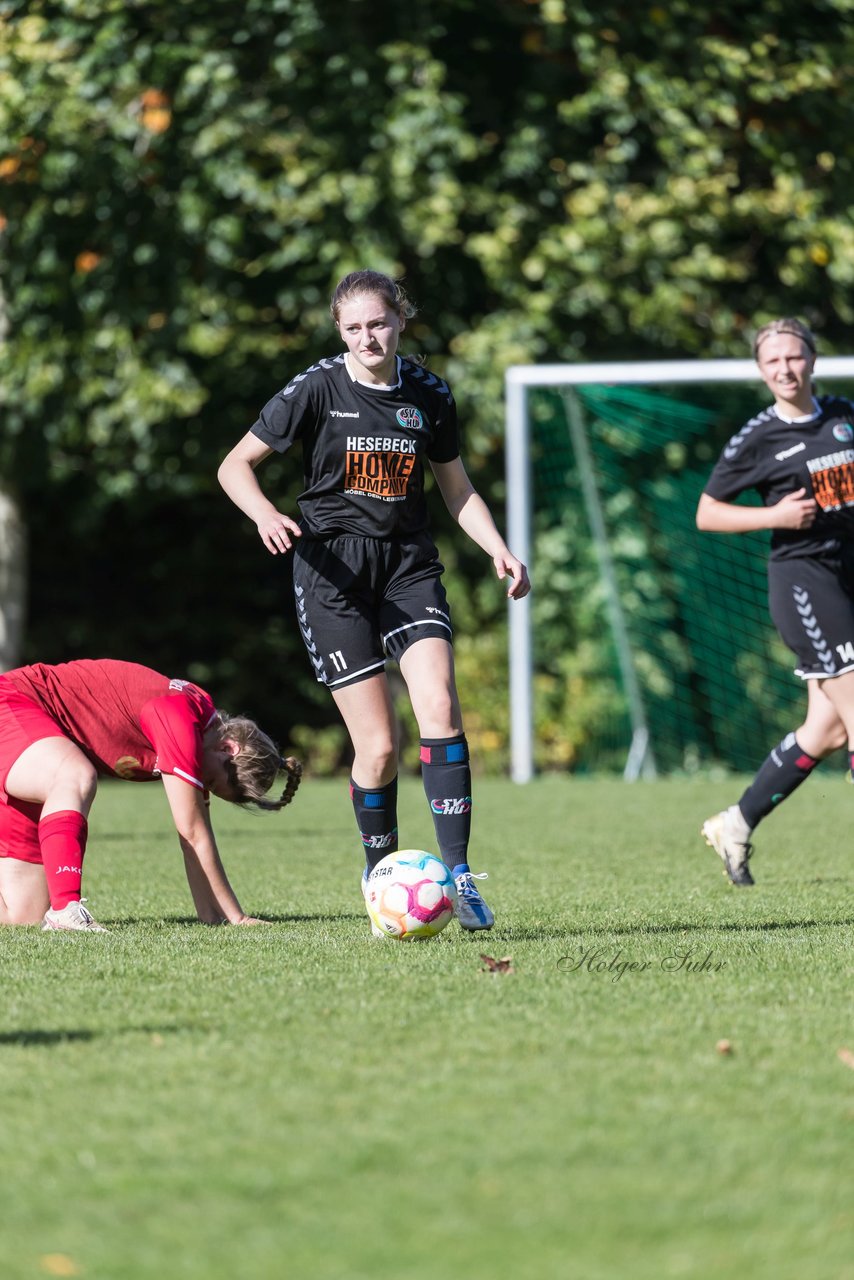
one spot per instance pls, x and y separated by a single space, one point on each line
237 477
474 517
213 896
794 511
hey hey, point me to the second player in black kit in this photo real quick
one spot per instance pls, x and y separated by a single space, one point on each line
367 575
799 457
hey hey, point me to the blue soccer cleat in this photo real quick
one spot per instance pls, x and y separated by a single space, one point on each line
472 912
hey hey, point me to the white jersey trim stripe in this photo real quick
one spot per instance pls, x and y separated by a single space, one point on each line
188 777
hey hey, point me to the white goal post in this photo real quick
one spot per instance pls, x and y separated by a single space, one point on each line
519 379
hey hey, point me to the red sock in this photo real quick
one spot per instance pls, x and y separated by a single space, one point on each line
62 837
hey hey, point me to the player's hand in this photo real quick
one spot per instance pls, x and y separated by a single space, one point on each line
795 511
218 922
509 566
278 532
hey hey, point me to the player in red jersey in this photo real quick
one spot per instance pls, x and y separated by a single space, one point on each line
61 727
367 576
799 456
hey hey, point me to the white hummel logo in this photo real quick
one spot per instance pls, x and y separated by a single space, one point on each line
787 453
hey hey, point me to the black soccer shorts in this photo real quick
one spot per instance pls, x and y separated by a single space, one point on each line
812 605
361 601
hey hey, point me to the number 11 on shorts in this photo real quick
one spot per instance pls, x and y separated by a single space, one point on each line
337 660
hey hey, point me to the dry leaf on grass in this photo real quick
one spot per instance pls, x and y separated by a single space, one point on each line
491 965
58 1264
846 1056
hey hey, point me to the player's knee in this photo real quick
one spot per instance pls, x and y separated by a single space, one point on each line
19 906
385 758
22 914
820 741
439 715
377 757
79 776
835 738
87 780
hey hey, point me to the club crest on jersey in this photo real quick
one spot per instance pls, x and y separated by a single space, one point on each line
126 766
843 432
410 417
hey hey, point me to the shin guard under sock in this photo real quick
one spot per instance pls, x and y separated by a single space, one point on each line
781 773
446 774
62 839
376 817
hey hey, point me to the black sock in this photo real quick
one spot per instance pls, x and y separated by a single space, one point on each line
447 781
781 773
376 817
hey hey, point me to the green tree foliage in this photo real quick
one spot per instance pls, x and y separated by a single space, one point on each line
182 183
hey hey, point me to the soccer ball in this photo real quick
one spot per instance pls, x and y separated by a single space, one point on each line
410 894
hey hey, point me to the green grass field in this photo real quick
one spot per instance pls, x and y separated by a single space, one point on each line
182 1103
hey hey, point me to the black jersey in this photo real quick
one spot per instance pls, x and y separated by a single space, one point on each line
776 458
363 446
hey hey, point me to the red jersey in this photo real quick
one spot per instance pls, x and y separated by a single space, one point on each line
130 721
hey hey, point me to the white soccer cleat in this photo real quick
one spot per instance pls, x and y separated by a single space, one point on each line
375 930
74 917
725 834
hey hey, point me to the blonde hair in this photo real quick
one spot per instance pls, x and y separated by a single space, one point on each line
257 765
788 324
359 284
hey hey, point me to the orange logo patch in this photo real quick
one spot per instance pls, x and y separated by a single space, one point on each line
126 766
384 474
834 487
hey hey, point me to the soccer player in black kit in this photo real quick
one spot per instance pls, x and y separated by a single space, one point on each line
367 577
798 454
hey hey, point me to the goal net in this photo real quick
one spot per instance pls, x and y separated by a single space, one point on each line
646 646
